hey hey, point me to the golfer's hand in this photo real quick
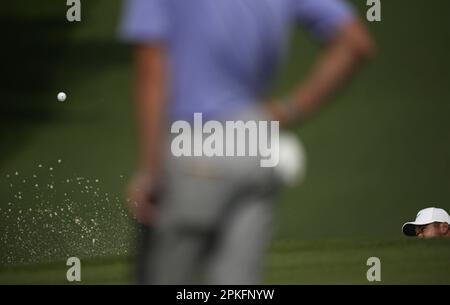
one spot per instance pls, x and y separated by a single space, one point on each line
280 112
143 194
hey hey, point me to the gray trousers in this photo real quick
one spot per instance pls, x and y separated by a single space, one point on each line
215 221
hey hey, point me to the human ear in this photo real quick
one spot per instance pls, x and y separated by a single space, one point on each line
443 228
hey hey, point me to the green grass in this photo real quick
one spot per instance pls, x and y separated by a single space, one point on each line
289 262
105 270
375 157
344 262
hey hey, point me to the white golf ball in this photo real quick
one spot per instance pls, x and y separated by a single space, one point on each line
62 96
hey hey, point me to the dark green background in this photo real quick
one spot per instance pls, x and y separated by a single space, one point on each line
376 156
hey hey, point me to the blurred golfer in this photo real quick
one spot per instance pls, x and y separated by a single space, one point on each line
216 57
430 222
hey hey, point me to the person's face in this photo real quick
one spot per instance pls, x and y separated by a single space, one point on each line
435 229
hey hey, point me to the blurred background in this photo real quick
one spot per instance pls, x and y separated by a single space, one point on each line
376 156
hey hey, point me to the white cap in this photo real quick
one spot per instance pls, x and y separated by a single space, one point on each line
424 217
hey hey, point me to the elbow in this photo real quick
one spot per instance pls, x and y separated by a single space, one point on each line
364 47
358 40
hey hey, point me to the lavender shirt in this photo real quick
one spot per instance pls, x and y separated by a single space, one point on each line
223 53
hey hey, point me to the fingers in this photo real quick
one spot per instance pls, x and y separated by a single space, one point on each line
139 203
143 214
141 207
143 196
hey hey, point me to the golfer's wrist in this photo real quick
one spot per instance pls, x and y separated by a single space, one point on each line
291 110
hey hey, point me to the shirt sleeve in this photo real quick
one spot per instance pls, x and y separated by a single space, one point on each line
144 21
323 18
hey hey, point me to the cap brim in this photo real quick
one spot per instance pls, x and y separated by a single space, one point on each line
409 228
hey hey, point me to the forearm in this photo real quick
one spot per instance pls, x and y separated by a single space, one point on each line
330 73
334 67
149 98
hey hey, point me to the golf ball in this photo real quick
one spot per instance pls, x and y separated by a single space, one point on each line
62 96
